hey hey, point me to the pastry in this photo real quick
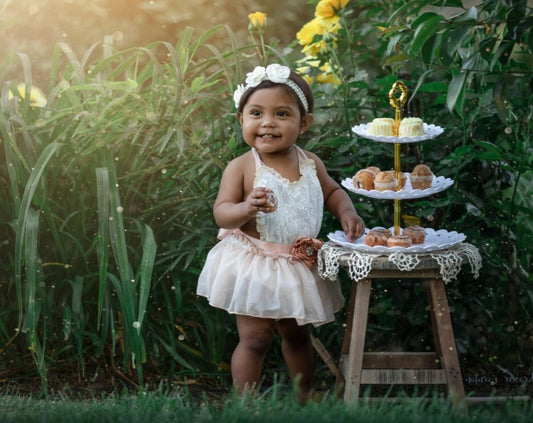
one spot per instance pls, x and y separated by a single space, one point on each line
383 231
272 201
375 237
381 127
416 233
385 181
399 241
364 179
421 177
403 177
373 169
411 127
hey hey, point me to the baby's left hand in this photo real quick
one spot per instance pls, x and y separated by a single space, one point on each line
352 225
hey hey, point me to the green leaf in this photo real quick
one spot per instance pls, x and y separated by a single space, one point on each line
455 39
427 26
433 87
470 16
24 213
147 265
411 8
102 190
456 91
486 47
492 151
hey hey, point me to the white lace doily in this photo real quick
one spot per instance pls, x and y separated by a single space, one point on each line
359 264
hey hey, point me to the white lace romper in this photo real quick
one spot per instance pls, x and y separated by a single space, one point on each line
253 277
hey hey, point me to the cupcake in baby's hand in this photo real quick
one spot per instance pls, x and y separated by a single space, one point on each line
421 177
272 201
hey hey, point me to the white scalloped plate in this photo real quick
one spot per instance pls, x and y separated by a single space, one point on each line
435 241
440 183
430 131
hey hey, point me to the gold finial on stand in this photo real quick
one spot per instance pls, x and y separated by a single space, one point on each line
397 102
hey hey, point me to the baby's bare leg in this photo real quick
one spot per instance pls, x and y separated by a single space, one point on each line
255 336
297 349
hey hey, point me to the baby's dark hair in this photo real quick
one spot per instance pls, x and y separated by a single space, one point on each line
297 79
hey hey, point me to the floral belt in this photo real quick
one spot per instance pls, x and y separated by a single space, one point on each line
304 249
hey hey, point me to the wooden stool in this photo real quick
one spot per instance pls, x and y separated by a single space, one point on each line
440 367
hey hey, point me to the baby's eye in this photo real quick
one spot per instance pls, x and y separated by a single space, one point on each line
283 113
255 113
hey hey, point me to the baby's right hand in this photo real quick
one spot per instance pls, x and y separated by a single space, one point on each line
261 200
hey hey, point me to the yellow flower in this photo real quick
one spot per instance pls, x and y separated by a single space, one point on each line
325 28
257 20
309 30
328 78
37 97
329 8
326 75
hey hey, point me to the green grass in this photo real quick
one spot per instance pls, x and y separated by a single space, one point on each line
275 405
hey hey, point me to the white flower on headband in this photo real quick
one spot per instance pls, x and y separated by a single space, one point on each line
276 73
254 78
238 94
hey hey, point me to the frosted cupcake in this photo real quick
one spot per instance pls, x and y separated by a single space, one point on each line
381 127
411 127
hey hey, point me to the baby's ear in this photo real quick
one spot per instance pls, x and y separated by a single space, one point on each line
306 122
239 117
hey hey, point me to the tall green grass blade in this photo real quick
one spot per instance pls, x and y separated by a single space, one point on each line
33 303
6 133
74 62
30 235
102 191
77 316
116 228
26 68
147 265
27 197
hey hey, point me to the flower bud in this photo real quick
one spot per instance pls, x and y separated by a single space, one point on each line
257 20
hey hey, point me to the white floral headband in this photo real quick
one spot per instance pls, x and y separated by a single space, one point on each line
275 73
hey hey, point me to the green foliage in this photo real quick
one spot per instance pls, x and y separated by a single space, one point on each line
105 193
469 71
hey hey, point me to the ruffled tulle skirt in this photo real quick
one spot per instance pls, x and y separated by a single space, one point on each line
243 278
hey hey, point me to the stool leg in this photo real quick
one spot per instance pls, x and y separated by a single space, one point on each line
445 339
345 348
357 340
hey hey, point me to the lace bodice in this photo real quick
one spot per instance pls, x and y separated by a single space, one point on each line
300 203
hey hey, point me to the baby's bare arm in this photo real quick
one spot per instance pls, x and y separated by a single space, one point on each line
235 205
337 201
340 205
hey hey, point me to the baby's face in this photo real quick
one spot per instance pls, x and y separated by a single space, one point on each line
271 120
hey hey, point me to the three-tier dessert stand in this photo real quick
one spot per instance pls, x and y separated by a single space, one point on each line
435 239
